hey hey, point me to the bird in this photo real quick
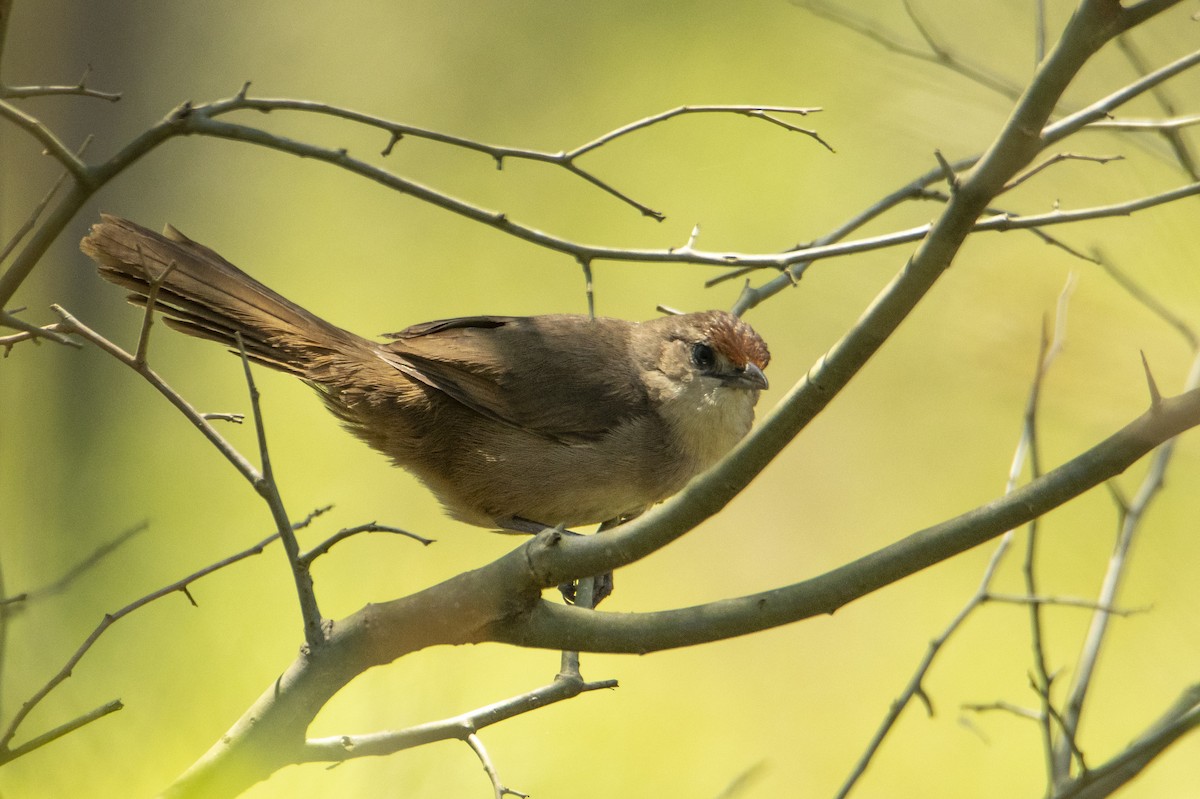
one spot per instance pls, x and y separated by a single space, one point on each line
514 423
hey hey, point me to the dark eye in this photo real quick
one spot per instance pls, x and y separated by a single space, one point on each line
703 356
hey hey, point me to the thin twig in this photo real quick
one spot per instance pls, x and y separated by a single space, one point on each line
1007 707
268 489
31 221
915 687
73 325
1153 125
1113 578
50 736
1056 159
1148 300
80 89
348 747
54 146
1170 132
753 111
154 286
1041 678
45 331
564 158
499 790
233 418
936 53
111 619
307 558
89 562
799 259
1063 602
1102 108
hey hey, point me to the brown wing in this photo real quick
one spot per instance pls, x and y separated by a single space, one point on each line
504 367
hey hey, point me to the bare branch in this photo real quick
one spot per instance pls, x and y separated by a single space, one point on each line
1148 300
31 221
89 562
1181 718
753 111
1118 564
1007 707
937 53
80 89
34 335
565 159
1026 445
1041 678
498 789
1062 601
234 418
7 755
143 345
1101 109
307 558
72 325
54 147
1056 159
1170 133
1153 125
109 620
314 632
346 747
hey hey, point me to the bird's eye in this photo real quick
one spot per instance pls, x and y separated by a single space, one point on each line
703 356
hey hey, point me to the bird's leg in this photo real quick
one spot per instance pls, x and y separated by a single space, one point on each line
602 584
517 524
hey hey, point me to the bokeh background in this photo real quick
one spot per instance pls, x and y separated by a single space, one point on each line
926 432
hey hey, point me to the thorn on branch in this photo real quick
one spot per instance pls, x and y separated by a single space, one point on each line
234 418
586 265
919 692
732 275
947 171
1155 396
392 142
1007 707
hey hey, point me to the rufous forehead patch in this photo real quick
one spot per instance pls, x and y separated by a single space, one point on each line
738 342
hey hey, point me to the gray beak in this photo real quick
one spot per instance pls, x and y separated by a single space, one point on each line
749 376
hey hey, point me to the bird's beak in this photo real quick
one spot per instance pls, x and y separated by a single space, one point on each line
749 376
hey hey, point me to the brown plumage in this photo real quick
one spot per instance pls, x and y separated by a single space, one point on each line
509 420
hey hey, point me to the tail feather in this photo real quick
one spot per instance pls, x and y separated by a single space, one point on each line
203 295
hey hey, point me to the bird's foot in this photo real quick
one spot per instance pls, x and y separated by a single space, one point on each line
573 592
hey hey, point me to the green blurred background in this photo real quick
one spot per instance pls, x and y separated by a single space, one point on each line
927 431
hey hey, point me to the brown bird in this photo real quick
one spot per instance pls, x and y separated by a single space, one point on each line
517 423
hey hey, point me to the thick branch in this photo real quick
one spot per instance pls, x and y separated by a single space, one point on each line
562 627
499 602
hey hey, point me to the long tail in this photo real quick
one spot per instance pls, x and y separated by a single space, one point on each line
203 295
